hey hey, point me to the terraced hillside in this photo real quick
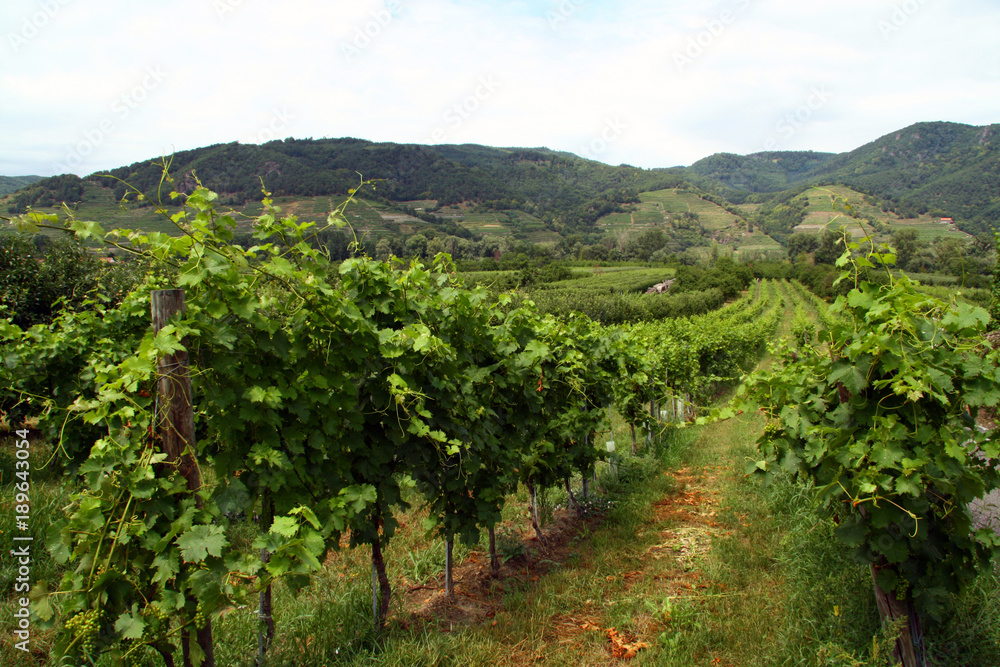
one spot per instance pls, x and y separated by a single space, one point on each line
826 206
676 209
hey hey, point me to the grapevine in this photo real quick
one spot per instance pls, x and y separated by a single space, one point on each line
318 387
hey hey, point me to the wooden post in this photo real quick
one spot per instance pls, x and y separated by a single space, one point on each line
176 414
449 582
176 420
909 650
494 558
265 618
374 592
533 496
652 416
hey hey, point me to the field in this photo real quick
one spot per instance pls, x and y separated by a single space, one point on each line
367 217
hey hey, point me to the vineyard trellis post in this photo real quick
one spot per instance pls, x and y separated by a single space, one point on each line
449 581
176 424
652 418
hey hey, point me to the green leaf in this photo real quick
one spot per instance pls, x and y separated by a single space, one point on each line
39 596
87 229
909 486
130 624
851 533
166 565
307 514
887 580
202 541
285 526
854 378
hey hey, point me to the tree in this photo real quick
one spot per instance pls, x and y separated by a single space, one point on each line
907 244
827 251
383 249
416 245
800 243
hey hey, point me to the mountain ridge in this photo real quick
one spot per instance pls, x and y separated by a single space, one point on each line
952 168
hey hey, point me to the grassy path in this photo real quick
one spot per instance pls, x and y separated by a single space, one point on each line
645 581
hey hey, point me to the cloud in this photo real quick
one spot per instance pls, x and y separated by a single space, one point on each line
687 79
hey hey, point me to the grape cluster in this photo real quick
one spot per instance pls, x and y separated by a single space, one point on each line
84 627
199 617
132 653
156 611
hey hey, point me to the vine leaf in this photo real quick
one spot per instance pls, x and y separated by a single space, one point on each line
285 526
130 623
851 534
202 541
853 377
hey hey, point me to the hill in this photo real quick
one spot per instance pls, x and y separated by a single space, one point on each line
566 193
760 172
936 168
951 167
920 174
9 184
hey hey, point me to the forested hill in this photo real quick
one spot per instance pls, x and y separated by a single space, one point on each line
948 167
945 169
9 184
565 191
759 172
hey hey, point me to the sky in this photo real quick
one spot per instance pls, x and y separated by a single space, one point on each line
90 86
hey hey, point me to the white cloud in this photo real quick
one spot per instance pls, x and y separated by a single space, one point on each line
397 70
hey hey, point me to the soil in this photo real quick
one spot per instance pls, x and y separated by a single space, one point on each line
478 593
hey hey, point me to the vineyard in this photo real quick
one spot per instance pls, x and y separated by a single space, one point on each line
320 391
289 407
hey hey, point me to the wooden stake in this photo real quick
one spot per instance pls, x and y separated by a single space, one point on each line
176 422
176 416
494 558
910 649
449 582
